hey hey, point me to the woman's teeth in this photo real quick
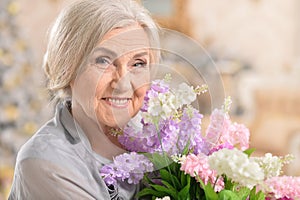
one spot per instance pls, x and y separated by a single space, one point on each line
118 101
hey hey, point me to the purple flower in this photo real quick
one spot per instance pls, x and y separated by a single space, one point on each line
169 132
108 173
128 166
145 140
190 131
160 86
221 146
173 135
157 86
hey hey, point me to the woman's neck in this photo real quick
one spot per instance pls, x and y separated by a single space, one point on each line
99 136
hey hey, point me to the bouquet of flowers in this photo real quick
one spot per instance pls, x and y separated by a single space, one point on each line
172 159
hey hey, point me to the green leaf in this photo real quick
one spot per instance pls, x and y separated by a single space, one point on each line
171 178
243 193
209 191
171 188
159 160
249 151
175 180
150 192
184 193
146 179
228 195
183 178
175 168
188 178
168 185
253 194
260 196
196 192
163 189
256 196
229 185
165 175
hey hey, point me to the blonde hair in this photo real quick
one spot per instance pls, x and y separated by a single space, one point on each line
79 28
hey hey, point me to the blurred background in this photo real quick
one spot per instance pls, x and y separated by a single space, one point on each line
255 45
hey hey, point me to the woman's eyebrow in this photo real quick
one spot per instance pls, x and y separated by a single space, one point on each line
113 54
106 51
144 53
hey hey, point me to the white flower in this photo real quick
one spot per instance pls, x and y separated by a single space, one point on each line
164 198
185 94
163 105
135 122
178 158
154 107
270 164
168 105
236 165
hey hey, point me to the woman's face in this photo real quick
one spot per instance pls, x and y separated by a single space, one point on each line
116 76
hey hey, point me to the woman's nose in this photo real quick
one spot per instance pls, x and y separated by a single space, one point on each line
121 82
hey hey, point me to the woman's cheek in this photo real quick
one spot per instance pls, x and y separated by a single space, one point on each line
141 92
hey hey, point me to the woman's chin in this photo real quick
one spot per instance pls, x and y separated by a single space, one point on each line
117 123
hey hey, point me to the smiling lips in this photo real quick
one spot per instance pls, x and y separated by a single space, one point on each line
117 102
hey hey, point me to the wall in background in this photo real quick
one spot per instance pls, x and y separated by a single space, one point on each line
254 43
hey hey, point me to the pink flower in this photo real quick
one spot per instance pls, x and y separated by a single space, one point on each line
239 135
221 146
197 166
219 124
222 131
283 187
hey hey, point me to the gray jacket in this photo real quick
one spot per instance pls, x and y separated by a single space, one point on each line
58 163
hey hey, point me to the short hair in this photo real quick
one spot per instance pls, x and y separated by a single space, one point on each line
77 31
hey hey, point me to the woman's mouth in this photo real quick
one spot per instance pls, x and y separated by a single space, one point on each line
117 102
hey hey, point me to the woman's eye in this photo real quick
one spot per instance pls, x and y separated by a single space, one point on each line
139 63
102 61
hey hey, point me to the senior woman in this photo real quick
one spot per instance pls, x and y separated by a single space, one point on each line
98 66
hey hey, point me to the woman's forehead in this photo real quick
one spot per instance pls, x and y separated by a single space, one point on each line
125 40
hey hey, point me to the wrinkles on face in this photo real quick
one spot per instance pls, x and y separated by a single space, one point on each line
111 88
120 68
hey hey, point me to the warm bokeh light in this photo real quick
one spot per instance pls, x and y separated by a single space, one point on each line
254 44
